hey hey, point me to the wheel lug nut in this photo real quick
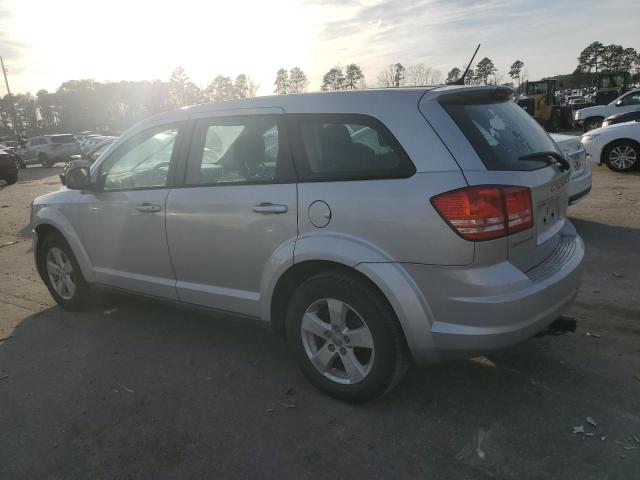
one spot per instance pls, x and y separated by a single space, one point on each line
331 347
336 328
346 339
343 351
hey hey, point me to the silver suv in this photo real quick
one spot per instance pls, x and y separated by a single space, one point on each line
371 228
47 150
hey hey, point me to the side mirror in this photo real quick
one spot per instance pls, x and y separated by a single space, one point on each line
619 103
78 178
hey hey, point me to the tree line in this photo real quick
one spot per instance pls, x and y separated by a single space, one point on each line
79 105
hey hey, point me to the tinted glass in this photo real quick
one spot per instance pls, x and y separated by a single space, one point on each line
501 133
63 139
632 99
344 147
237 150
142 162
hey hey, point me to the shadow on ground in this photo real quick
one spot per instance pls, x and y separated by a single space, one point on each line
136 389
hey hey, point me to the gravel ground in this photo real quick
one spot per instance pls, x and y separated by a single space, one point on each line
135 389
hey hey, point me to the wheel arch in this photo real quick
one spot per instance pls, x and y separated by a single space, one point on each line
388 279
53 226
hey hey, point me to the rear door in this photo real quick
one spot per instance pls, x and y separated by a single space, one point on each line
235 210
488 135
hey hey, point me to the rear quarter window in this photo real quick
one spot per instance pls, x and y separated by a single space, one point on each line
346 147
501 133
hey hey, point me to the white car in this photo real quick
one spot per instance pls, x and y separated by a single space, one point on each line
592 117
580 179
617 146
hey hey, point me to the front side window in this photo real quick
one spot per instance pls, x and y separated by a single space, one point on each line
142 162
631 99
347 147
238 150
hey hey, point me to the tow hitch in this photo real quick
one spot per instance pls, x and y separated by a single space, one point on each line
560 326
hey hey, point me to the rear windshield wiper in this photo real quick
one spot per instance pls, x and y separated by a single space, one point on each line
537 156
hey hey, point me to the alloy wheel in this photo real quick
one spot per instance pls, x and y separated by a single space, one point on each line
623 157
61 275
337 341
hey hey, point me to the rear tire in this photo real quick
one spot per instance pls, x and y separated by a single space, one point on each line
592 123
62 274
622 156
345 337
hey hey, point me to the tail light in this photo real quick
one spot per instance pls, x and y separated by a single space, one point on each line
486 212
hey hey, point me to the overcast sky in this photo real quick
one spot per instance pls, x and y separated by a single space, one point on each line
46 42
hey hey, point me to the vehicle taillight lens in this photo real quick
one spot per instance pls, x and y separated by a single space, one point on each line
486 212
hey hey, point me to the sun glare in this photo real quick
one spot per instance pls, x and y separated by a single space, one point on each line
136 40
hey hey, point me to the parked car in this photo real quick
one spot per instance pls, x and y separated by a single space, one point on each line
622 118
48 150
86 159
91 142
9 145
82 137
580 179
8 167
446 236
617 146
592 117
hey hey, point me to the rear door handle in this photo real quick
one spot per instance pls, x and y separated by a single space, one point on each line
149 208
267 208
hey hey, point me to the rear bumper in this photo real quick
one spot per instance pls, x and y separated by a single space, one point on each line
479 309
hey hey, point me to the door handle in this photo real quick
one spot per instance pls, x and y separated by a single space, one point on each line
149 208
267 208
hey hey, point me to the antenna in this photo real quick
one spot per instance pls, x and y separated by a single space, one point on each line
460 81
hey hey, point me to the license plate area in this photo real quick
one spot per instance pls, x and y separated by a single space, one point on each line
549 219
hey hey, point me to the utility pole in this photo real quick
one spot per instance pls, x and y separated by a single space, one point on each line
12 108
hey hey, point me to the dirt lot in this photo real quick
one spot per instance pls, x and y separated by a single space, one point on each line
133 389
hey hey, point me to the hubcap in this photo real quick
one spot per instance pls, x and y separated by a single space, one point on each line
337 341
622 157
60 271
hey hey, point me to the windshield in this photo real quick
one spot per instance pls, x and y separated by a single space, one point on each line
501 133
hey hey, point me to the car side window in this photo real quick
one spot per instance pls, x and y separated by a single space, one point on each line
141 162
631 99
347 147
244 149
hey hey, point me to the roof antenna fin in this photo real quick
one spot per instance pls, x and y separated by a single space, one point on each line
460 81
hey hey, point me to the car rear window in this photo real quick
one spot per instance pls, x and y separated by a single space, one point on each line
501 133
63 139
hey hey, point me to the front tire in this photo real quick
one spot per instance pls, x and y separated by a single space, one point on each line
44 161
622 156
11 179
62 274
345 337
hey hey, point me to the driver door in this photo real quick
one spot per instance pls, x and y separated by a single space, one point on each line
123 221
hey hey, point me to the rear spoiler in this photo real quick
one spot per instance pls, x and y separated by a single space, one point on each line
476 95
